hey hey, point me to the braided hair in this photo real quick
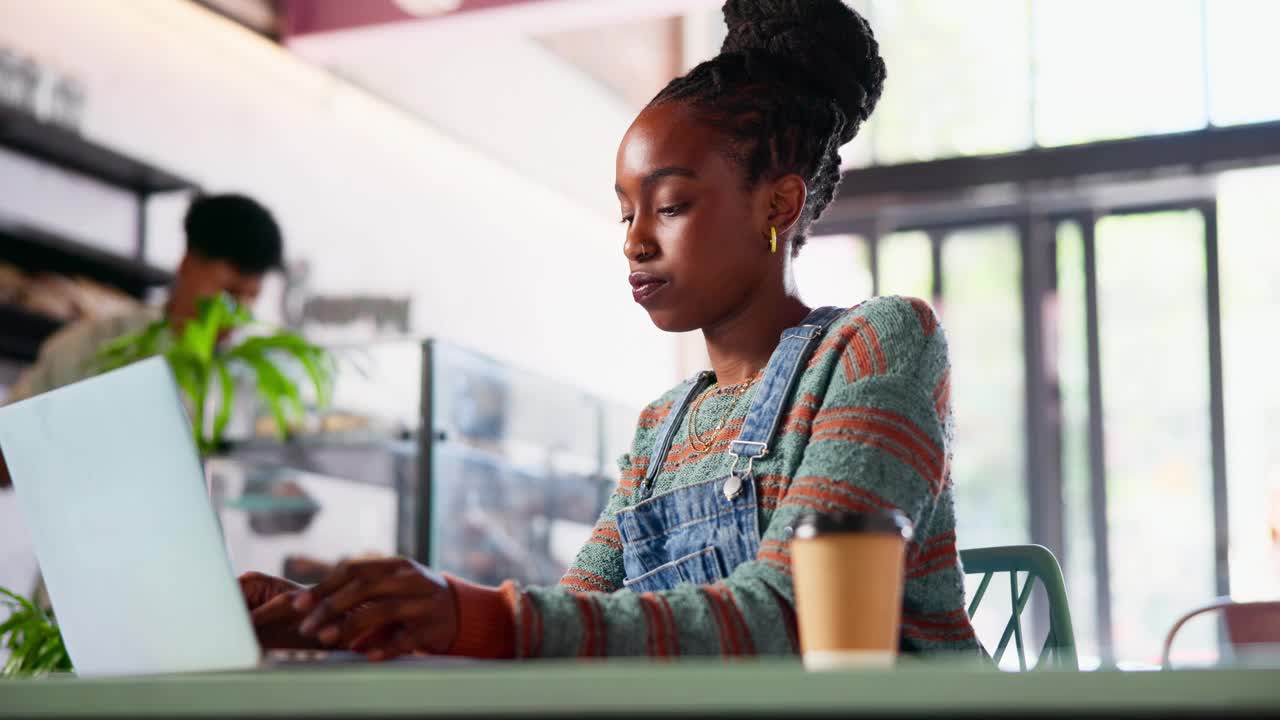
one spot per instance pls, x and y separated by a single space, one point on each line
794 81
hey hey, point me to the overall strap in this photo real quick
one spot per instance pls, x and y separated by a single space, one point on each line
669 426
781 376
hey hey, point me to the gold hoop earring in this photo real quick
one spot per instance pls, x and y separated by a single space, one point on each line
773 240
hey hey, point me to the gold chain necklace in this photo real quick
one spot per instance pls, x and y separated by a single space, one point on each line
697 440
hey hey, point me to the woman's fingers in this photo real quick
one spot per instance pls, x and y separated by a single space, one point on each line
258 588
277 609
356 593
253 588
369 617
410 612
344 574
389 605
343 599
310 598
360 591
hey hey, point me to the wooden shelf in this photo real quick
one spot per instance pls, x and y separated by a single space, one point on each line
24 332
35 251
69 150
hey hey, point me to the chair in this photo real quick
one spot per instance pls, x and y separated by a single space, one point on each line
1250 625
1059 649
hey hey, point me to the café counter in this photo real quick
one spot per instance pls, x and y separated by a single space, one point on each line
648 689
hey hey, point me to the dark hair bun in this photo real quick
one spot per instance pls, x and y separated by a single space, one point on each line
825 39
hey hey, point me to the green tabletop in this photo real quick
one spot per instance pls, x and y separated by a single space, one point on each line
560 689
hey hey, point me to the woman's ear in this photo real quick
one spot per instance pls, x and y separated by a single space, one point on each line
786 202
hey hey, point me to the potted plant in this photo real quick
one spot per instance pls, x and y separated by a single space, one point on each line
32 639
204 366
202 363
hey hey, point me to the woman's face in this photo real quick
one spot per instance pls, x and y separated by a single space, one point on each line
695 233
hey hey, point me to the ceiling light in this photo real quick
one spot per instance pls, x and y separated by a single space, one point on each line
428 7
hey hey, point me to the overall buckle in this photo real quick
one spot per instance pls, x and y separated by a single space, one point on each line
733 485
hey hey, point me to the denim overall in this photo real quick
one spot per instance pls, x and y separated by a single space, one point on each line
699 533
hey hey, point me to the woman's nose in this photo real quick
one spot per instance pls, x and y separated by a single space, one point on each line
639 245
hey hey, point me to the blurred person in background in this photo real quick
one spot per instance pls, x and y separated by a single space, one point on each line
233 242
719 180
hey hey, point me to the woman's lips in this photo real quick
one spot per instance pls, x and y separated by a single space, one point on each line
645 286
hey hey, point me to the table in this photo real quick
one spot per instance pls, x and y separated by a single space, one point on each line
648 689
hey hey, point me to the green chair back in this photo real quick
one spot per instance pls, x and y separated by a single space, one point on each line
1038 563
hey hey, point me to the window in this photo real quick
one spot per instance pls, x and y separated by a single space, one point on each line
1062 72
981 309
1242 45
859 152
957 78
1093 71
1155 380
1073 368
982 314
1117 68
833 270
906 265
1248 218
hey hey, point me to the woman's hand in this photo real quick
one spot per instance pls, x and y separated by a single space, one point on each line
383 607
5 480
270 602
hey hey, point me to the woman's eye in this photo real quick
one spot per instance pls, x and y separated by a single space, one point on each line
671 210
626 219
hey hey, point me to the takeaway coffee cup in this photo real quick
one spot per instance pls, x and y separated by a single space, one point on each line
848 575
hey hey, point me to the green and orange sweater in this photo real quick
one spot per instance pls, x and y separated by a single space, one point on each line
869 428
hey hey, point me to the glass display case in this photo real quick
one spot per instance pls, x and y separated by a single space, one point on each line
297 523
518 468
428 450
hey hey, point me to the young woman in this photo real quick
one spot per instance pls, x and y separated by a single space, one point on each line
719 180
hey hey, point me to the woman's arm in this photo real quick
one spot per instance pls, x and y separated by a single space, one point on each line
878 439
876 443
405 608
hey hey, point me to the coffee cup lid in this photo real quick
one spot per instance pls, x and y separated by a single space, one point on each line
812 524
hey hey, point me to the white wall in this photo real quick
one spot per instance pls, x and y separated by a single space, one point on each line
374 198
501 93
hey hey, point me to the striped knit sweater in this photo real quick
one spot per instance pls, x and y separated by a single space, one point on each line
869 428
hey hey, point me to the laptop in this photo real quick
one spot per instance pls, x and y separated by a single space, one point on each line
111 488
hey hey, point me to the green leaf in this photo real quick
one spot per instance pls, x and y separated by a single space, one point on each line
200 335
13 621
33 639
44 643
317 362
272 386
196 358
49 655
24 603
25 651
320 368
227 384
134 347
191 377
